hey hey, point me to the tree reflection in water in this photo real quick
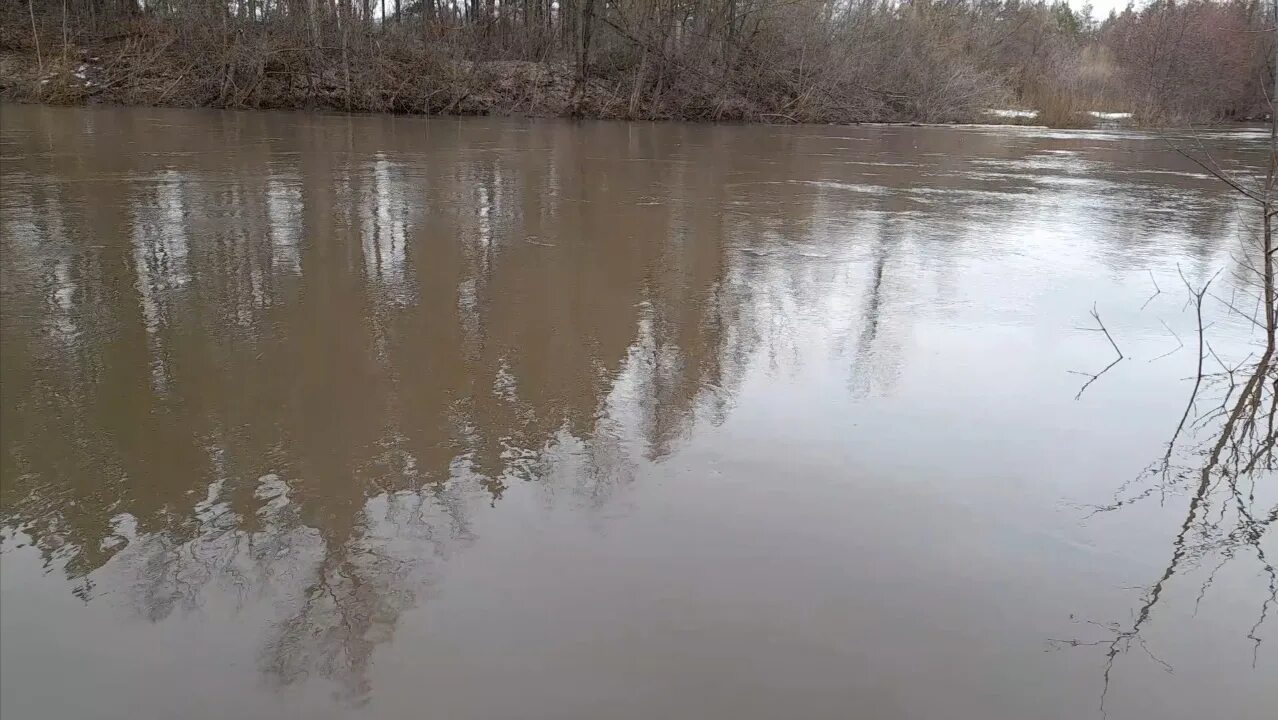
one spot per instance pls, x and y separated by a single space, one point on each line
293 372
1222 445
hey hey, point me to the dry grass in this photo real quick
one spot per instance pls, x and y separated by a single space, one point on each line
1063 108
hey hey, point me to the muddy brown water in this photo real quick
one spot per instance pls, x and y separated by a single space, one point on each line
313 416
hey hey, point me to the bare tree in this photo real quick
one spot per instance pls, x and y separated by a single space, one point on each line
772 60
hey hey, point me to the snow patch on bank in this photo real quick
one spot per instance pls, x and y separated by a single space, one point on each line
1011 113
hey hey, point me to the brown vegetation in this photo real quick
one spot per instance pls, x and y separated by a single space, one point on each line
768 60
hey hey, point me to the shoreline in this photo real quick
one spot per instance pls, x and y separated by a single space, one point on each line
118 72
318 110
109 76
6 99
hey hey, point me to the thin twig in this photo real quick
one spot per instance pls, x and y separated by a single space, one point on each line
1198 377
1179 343
1100 327
1157 290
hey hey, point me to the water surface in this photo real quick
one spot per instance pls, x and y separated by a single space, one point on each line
367 417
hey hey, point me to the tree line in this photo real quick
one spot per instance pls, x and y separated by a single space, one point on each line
778 60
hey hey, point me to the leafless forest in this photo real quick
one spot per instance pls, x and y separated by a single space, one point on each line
765 60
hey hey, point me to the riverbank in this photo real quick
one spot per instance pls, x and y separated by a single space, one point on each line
123 71
148 61
459 88
157 63
776 61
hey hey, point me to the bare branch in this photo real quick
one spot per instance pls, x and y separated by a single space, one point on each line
1100 327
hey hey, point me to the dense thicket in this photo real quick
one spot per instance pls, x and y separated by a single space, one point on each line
802 60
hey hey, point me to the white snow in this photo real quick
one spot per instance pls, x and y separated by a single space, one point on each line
1010 113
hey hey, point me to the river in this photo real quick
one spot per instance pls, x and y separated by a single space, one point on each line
310 416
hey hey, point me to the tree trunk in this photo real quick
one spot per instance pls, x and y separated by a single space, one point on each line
35 37
584 26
